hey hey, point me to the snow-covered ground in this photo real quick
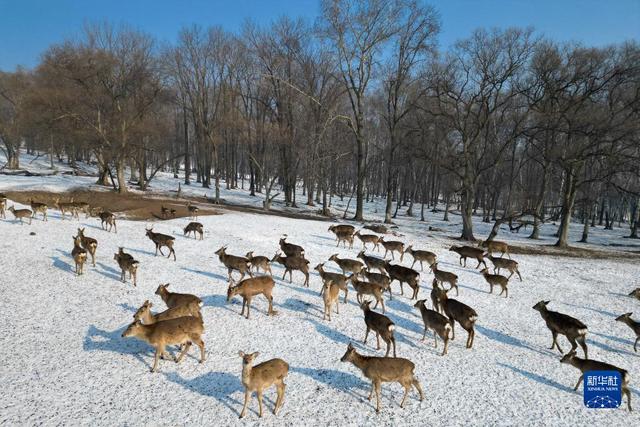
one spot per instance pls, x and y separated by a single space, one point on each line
65 362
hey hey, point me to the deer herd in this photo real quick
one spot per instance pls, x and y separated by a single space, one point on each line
182 324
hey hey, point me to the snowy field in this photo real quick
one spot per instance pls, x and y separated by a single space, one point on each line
65 361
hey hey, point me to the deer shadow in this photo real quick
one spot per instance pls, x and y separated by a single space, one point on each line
301 289
538 378
109 272
595 310
62 265
338 380
144 252
330 333
475 290
322 237
219 385
506 339
100 340
127 307
612 338
606 347
300 306
207 274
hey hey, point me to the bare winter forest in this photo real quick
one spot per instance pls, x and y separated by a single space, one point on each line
506 124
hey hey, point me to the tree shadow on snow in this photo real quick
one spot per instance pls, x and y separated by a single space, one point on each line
219 385
538 378
506 339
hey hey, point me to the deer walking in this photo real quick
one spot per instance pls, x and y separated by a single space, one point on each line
260 377
435 321
161 240
634 325
248 288
559 323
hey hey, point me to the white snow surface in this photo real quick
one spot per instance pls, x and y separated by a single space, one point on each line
65 362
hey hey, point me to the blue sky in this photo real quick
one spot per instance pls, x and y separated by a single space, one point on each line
27 27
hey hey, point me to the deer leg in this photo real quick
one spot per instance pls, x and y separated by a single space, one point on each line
159 351
184 351
424 334
270 299
372 391
582 341
625 391
280 390
244 302
578 383
414 263
382 302
285 272
260 403
635 345
247 397
416 384
377 386
453 330
248 306
407 387
574 345
393 341
346 291
200 344
446 345
378 341
421 266
435 339
174 254
366 334
159 247
337 307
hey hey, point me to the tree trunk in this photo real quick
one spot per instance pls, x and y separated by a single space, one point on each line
568 200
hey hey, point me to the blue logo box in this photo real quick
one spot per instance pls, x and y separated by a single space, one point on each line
602 389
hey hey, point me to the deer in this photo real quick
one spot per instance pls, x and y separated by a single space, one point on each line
435 321
469 252
559 323
340 280
373 262
496 246
392 246
108 219
20 214
633 324
161 240
347 265
342 228
260 377
144 314
292 263
345 237
3 202
259 262
67 207
174 299
381 325
248 288
127 265
445 276
172 212
496 280
37 207
194 227
88 243
234 262
368 238
404 275
421 256
164 212
436 296
377 228
330 295
585 365
635 293
179 331
384 369
81 207
367 288
290 249
508 264
381 280
459 312
79 255
193 211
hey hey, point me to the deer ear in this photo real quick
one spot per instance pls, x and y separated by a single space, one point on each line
241 353
547 302
256 354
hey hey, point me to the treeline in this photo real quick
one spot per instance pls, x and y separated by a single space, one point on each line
505 124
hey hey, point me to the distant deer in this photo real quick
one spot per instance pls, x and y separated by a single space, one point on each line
292 263
164 212
145 315
421 256
342 228
3 202
586 365
345 237
347 265
79 255
193 211
81 207
634 325
67 207
259 262
559 323
384 369
194 227
88 243
37 207
373 262
496 280
445 277
495 246
127 264
248 288
404 275
392 246
290 249
161 240
108 219
340 280
459 312
369 238
21 214
180 331
234 262
260 377
174 299
507 264
435 321
469 252
330 293
381 325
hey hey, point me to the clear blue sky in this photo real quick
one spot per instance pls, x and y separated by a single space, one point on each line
27 27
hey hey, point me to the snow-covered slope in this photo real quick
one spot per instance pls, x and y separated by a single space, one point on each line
65 362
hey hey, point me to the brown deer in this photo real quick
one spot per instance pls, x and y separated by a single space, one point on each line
345 237
37 207
79 255
381 325
127 264
108 219
174 299
234 262
381 280
145 315
559 323
330 293
392 246
164 212
259 262
634 325
340 280
260 377
21 214
373 262
81 207
161 240
404 275
88 243
367 288
507 264
469 252
368 238
421 256
67 207
249 288
436 296
292 263
384 369
290 249
445 277
3 203
193 211
181 331
496 246
435 321
459 312
194 227
586 365
496 280
342 228
347 265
